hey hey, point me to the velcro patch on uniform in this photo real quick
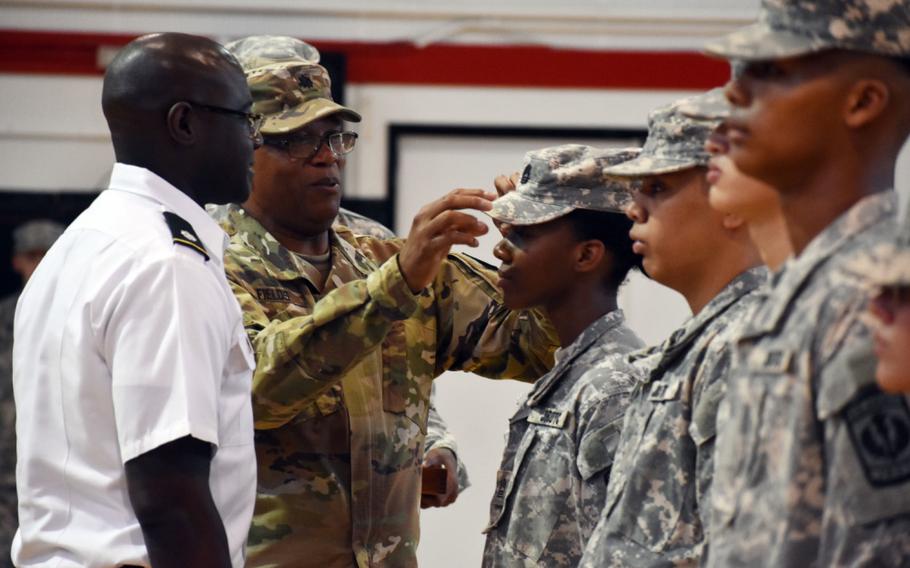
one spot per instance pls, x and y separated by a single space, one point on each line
774 361
661 391
183 233
273 295
548 417
526 174
879 426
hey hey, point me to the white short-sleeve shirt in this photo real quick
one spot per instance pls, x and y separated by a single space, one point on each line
125 340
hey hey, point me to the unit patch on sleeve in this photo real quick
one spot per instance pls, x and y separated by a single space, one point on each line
183 233
879 426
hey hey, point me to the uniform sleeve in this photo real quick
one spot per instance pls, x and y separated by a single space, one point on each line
478 334
298 358
166 338
866 519
439 436
709 389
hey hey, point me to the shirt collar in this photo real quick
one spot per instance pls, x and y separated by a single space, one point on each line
566 355
869 212
680 341
145 183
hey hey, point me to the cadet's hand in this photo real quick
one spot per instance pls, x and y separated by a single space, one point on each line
504 184
444 457
437 227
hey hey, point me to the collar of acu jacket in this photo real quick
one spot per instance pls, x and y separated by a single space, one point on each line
680 340
582 343
872 211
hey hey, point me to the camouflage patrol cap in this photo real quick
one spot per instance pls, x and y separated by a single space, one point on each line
789 28
289 86
893 266
713 105
557 180
675 141
36 235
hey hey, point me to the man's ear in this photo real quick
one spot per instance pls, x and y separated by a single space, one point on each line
732 222
181 123
866 101
588 255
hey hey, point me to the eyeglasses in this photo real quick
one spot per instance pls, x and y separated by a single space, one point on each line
254 120
305 147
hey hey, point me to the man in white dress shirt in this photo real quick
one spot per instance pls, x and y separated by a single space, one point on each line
131 369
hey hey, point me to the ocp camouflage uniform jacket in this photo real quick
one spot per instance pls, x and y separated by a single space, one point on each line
342 384
551 486
438 433
814 461
662 473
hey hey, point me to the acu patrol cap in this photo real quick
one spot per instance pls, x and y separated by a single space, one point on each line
36 236
893 267
676 141
288 85
557 180
790 28
713 105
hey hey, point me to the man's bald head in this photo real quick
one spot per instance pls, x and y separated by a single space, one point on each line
176 105
156 70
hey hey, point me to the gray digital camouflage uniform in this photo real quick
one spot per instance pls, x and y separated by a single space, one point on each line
438 433
663 468
813 464
664 464
813 468
551 486
342 384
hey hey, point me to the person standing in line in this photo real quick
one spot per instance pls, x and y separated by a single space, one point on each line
890 307
30 243
818 450
733 193
565 249
349 331
662 473
131 369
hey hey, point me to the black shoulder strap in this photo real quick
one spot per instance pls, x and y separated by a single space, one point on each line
183 233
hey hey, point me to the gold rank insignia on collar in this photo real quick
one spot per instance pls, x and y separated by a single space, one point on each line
183 233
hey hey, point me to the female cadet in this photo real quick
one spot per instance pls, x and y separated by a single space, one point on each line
565 250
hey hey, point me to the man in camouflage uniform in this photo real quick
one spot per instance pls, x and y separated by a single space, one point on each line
815 459
550 489
349 331
663 468
30 242
440 440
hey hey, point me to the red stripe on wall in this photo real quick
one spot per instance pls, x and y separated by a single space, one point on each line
383 63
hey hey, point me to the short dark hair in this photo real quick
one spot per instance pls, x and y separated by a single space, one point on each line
612 229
